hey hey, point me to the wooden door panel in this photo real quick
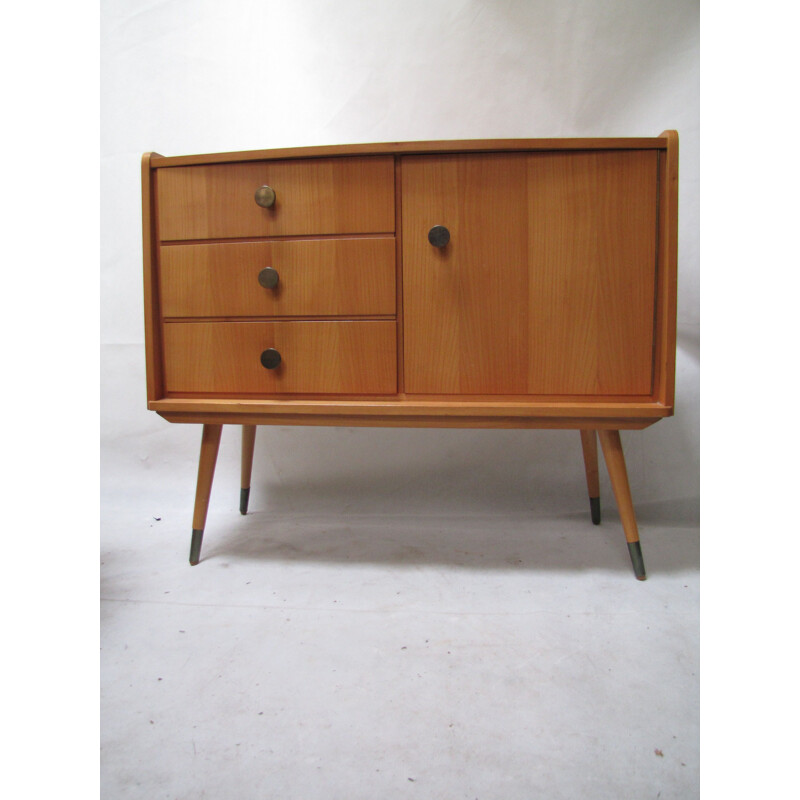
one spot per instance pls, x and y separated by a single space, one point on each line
547 284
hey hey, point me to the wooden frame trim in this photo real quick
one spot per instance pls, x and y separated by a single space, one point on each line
297 237
409 408
398 265
286 318
328 420
667 271
152 321
400 148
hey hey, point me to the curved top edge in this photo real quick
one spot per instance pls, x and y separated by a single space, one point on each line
394 148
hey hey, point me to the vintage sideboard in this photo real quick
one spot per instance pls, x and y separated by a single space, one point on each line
511 283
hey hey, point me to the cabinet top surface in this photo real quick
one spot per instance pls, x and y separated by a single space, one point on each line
394 148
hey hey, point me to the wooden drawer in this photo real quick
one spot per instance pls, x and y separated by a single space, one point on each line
320 357
316 277
313 196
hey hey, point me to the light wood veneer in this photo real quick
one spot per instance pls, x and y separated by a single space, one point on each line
547 285
327 357
317 277
342 195
553 305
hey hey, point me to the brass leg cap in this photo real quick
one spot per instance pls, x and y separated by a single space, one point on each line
197 543
594 505
635 549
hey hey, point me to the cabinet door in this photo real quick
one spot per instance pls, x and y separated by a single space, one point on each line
547 283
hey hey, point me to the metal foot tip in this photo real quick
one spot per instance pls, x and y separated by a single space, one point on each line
594 505
197 543
244 499
635 549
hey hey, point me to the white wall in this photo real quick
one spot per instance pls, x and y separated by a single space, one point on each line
192 76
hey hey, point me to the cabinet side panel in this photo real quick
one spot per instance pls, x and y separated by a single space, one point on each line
398 234
152 318
666 306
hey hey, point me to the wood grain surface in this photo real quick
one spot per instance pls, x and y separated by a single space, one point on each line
400 148
326 195
316 277
547 285
248 448
589 446
618 473
667 306
353 357
209 448
263 417
389 407
152 312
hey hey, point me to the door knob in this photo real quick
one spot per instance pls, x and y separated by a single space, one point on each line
438 236
268 277
270 358
265 196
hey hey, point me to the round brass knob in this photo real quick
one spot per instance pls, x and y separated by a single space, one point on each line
270 358
265 196
268 277
438 236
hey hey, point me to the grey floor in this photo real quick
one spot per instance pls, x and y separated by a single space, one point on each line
326 649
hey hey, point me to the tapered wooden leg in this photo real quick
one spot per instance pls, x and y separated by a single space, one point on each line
589 442
209 448
248 445
615 461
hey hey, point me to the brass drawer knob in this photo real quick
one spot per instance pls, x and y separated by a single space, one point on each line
270 358
438 236
268 277
265 196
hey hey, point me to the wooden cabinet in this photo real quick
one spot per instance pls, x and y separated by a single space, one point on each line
506 283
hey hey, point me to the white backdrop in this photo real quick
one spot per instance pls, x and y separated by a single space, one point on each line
192 76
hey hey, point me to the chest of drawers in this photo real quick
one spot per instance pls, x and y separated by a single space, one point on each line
505 283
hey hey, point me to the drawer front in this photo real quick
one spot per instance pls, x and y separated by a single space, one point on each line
319 277
312 196
320 357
